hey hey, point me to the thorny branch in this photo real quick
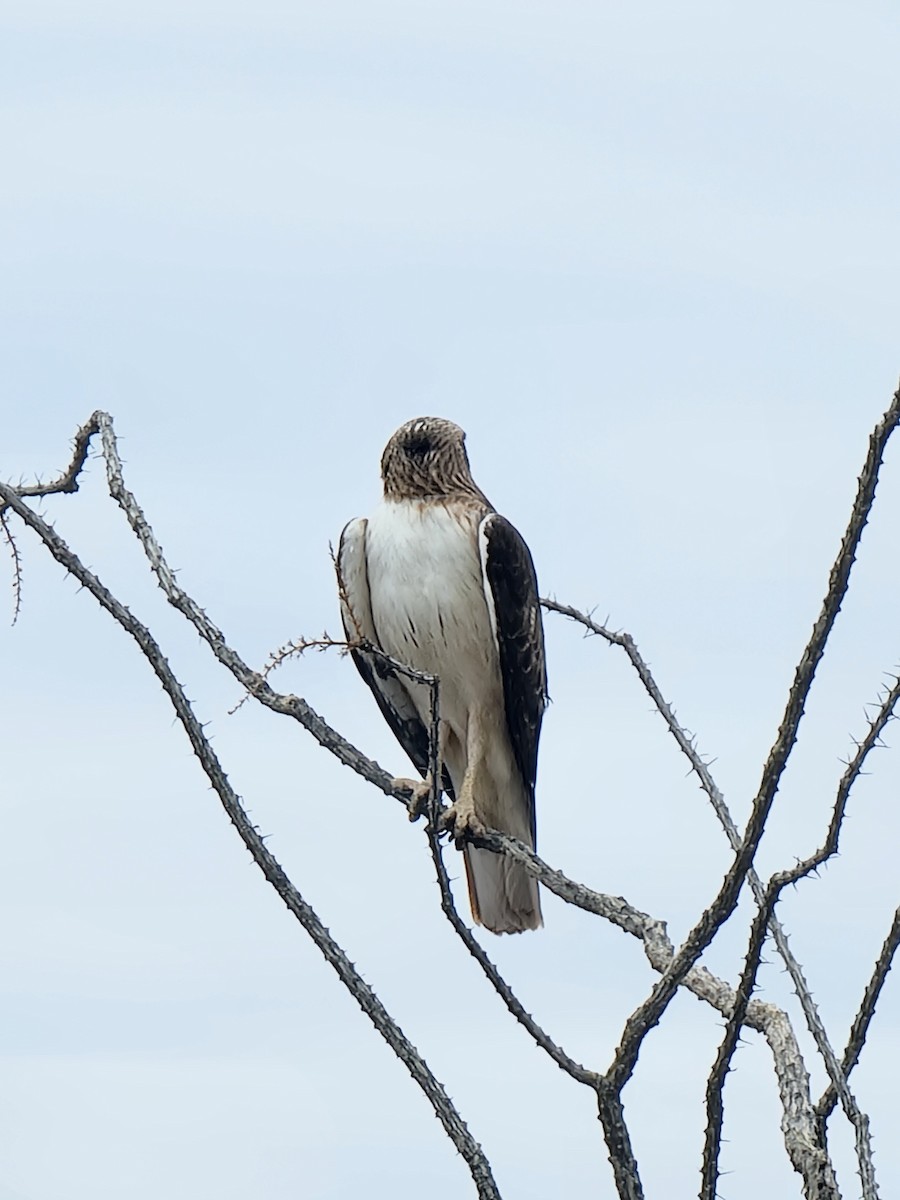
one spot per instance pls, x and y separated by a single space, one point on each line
793 1084
293 649
365 997
17 564
862 1021
687 745
803 1125
448 905
572 1068
776 886
649 1014
837 1072
838 582
69 480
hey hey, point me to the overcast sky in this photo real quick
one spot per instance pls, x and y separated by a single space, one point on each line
647 256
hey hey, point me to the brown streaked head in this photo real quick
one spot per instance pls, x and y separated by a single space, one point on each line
426 458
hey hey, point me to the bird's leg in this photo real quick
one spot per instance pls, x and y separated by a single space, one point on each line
420 789
461 818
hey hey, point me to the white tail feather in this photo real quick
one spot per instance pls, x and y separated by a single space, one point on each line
504 897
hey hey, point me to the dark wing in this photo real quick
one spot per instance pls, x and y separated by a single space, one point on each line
511 590
386 685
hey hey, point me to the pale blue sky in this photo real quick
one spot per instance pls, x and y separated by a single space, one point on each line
647 257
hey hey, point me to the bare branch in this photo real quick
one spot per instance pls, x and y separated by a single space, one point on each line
572 1068
448 905
463 932
819 1183
365 997
716 1081
618 1143
17 565
774 890
293 649
649 1013
852 772
687 745
436 772
68 481
807 1156
343 594
298 647
837 587
863 1020
679 733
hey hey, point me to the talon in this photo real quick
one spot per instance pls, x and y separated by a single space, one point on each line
459 821
419 794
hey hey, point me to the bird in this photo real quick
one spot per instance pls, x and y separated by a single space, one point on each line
438 580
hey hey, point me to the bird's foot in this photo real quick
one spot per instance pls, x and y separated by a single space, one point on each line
419 795
459 820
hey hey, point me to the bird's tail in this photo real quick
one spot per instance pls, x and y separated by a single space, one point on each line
503 896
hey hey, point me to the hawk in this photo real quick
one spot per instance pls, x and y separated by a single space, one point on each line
439 581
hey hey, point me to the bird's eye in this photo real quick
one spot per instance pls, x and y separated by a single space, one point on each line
418 445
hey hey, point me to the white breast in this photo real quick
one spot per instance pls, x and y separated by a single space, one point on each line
428 601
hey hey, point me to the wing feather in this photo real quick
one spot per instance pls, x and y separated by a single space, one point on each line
510 585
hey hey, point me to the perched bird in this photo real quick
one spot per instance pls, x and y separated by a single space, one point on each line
439 581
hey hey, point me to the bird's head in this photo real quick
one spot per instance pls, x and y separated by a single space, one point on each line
427 457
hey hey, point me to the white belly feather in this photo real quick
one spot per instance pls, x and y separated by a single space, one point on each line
430 612
428 600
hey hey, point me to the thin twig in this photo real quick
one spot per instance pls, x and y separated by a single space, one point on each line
448 905
294 649
618 637
435 771
860 1028
68 481
463 932
343 594
17 565
572 1068
852 772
